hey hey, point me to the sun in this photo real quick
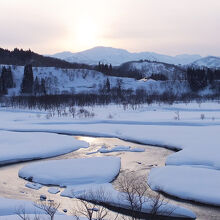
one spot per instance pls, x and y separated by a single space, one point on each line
86 33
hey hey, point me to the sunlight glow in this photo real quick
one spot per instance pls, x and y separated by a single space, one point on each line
86 33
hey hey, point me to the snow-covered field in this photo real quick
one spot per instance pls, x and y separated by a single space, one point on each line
191 128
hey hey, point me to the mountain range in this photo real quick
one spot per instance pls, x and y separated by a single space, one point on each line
118 56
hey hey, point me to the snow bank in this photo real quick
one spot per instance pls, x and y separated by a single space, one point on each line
22 146
107 194
53 190
9 206
34 185
73 171
187 182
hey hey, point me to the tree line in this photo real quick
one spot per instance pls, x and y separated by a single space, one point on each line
118 71
199 78
6 80
22 57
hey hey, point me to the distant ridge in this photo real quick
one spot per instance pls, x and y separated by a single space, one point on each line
117 56
210 62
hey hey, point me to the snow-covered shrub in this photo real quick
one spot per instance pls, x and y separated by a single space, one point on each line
83 113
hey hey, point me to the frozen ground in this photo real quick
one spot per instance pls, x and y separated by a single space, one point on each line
195 134
73 171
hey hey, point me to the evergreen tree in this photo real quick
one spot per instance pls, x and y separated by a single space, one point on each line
3 89
43 87
7 77
28 80
36 86
110 68
107 85
210 76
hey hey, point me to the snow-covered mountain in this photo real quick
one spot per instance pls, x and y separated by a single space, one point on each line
210 62
119 56
148 68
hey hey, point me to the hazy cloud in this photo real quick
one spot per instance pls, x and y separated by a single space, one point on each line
168 26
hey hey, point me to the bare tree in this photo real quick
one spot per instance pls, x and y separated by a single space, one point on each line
134 191
49 207
21 213
90 205
159 206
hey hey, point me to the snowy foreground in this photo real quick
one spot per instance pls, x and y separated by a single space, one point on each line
89 178
9 208
195 166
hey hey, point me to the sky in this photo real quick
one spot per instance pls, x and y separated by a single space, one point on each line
164 26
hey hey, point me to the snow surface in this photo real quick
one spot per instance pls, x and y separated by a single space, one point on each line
9 206
73 171
187 182
22 146
111 196
34 186
53 190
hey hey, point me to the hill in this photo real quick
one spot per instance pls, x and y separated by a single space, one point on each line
210 62
21 57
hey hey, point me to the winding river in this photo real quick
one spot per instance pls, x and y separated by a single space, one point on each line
11 186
